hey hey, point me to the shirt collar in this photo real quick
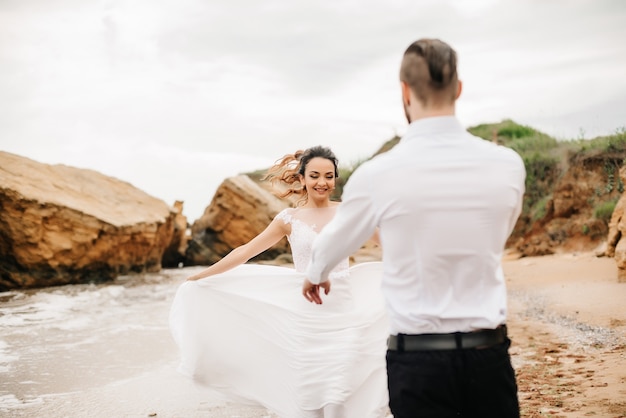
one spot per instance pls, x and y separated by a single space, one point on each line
434 125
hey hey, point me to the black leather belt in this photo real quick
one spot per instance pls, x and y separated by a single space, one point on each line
455 341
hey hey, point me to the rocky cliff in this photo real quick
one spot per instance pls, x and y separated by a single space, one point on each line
571 187
575 216
61 225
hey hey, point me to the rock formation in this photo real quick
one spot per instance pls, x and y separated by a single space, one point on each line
61 225
616 240
240 210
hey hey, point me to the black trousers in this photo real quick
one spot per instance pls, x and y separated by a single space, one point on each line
476 383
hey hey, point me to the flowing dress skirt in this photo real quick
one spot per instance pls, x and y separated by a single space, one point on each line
250 334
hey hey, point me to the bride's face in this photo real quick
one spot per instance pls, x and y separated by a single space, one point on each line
319 178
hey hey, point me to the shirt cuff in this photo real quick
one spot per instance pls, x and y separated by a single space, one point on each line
314 274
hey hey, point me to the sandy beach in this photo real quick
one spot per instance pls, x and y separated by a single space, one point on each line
567 321
568 326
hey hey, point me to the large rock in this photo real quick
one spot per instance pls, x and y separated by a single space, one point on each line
61 225
239 211
616 239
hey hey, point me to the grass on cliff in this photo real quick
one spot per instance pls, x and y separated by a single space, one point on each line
604 144
541 155
604 210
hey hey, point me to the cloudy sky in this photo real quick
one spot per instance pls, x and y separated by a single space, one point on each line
173 96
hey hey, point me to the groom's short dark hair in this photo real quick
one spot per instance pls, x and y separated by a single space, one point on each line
429 69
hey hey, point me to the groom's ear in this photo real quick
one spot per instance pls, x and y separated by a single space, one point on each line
459 89
406 93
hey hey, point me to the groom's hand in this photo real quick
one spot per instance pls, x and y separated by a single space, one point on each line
311 292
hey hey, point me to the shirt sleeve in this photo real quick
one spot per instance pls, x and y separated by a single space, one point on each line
353 224
521 188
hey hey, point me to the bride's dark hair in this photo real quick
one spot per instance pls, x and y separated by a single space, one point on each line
288 169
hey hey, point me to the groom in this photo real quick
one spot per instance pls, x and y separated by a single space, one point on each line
445 203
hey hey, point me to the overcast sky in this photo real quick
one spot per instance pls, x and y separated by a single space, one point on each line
173 96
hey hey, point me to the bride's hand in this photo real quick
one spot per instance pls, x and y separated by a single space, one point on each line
311 292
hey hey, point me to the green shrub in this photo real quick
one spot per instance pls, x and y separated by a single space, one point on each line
522 139
609 143
538 210
604 210
541 174
516 131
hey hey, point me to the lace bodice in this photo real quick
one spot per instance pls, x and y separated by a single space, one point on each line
306 223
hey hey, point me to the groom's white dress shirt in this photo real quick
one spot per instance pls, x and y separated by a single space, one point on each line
445 202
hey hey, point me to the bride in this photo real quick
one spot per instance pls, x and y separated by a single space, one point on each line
248 333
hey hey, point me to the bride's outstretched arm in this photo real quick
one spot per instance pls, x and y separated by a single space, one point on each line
276 230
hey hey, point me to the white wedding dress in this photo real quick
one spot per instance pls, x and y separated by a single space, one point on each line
250 334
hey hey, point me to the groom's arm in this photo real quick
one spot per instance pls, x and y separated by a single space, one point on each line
354 223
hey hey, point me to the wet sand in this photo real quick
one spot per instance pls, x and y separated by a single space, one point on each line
567 320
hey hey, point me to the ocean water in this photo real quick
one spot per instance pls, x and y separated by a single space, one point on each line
74 338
